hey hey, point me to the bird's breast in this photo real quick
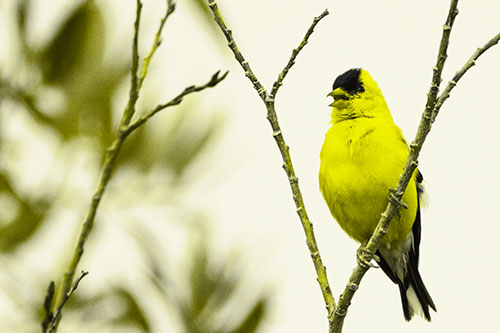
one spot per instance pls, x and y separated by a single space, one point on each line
359 163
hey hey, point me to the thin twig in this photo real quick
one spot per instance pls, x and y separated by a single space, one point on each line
156 43
58 313
134 84
268 100
238 55
214 80
458 75
295 52
112 152
442 56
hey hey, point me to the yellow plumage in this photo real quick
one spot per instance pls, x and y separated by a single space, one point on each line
362 157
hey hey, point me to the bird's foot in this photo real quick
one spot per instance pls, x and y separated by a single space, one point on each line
364 256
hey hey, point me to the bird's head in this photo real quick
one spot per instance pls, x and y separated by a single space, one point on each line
356 94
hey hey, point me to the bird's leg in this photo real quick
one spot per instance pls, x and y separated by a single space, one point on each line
362 255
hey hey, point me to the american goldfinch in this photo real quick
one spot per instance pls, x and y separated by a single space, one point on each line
362 157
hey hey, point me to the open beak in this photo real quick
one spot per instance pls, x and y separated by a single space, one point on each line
338 94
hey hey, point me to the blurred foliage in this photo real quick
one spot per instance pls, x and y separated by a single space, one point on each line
213 287
26 216
77 45
201 9
200 308
175 148
117 307
72 63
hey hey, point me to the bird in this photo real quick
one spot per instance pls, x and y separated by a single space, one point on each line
361 159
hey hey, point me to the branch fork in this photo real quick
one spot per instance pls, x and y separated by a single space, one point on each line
126 127
337 312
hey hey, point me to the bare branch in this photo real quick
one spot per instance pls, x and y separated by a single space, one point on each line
58 313
237 54
458 75
442 56
134 84
214 80
113 151
268 100
156 43
295 52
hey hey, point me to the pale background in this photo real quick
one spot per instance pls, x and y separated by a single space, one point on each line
245 191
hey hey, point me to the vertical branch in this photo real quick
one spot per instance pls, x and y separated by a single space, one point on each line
442 56
134 91
268 100
156 42
111 155
126 128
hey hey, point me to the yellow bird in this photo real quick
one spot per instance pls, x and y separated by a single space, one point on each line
362 157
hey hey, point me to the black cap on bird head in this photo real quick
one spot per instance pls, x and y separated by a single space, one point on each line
350 82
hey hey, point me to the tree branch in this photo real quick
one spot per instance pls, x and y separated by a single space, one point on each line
156 43
279 81
458 75
214 80
52 327
134 84
112 152
268 100
237 54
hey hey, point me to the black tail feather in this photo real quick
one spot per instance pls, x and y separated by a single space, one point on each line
415 280
411 278
404 301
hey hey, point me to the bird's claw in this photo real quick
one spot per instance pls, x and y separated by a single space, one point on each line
362 255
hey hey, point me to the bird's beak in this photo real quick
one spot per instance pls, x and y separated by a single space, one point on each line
338 94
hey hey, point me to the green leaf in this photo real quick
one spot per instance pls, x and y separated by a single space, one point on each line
201 283
27 223
254 318
30 217
187 140
175 148
89 109
133 314
100 310
77 45
47 305
21 14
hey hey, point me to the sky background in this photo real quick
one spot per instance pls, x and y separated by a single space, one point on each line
243 188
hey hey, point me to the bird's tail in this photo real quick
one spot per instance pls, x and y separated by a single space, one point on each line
414 296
